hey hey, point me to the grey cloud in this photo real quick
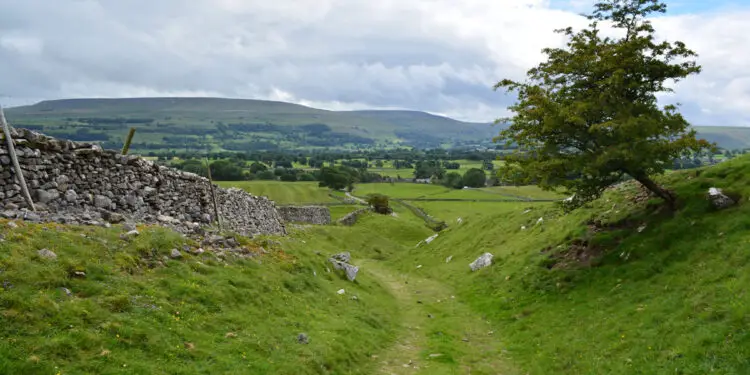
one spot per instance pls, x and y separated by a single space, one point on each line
440 56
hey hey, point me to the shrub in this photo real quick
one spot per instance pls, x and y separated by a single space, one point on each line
379 203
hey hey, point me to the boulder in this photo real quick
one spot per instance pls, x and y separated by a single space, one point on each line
302 338
485 260
719 200
46 254
342 257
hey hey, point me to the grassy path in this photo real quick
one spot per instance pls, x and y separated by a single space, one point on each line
439 334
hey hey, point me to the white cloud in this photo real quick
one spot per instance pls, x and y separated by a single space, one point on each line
441 56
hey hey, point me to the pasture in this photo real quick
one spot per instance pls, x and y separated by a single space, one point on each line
284 192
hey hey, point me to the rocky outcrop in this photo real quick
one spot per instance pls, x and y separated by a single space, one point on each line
319 215
72 178
341 262
719 200
351 218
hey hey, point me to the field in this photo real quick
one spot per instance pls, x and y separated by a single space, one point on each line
284 192
617 287
388 170
411 191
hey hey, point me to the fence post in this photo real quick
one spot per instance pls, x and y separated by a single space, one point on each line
14 159
213 194
126 147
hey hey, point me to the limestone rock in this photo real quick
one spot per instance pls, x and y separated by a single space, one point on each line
345 257
719 200
71 196
341 261
46 254
485 260
302 338
44 196
175 254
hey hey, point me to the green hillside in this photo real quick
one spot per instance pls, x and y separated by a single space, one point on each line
249 125
240 124
620 286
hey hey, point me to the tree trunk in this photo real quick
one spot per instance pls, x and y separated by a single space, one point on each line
656 189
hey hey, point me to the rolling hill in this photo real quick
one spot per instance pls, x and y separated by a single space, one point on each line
247 125
241 124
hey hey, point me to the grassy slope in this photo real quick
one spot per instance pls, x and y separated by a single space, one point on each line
670 299
191 316
284 192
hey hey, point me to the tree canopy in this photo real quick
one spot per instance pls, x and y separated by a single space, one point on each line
588 115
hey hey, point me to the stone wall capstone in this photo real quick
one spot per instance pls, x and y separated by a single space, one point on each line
74 177
319 215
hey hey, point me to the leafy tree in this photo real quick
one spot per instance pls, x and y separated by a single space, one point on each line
588 115
288 177
257 167
452 180
265 175
338 178
379 203
225 170
475 178
193 166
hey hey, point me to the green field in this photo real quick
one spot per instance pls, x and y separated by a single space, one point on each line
284 192
616 287
414 191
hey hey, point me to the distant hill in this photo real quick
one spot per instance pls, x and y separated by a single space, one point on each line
249 125
241 124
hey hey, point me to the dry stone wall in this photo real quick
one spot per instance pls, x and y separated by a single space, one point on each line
73 177
320 215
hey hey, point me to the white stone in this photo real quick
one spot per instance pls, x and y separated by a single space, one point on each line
485 260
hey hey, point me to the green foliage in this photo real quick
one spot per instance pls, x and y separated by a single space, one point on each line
588 115
452 180
475 178
429 169
226 170
256 167
338 177
379 203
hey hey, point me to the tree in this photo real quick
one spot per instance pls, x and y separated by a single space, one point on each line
379 203
257 167
588 115
225 170
338 178
452 180
475 178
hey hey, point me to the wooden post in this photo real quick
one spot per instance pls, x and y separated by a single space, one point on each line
14 159
213 194
126 147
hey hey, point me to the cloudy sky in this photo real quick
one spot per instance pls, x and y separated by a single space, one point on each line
441 56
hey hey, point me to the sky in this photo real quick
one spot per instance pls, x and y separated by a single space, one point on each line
439 56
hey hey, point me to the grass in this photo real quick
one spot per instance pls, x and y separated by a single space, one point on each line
616 287
339 211
431 191
135 312
284 192
668 299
